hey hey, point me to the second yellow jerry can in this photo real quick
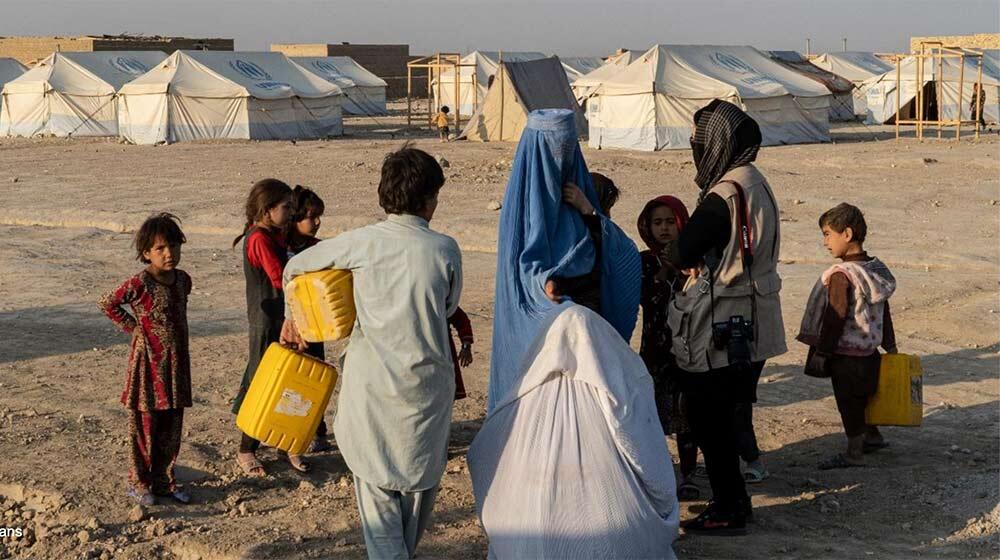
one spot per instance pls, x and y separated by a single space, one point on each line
286 399
899 400
322 304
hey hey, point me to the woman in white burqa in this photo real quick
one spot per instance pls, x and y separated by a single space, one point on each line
571 461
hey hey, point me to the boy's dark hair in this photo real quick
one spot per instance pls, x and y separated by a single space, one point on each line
164 225
607 191
410 178
265 194
305 203
445 109
843 216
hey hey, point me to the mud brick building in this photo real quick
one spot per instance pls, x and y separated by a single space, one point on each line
30 49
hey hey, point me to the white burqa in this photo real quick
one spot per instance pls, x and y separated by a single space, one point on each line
572 463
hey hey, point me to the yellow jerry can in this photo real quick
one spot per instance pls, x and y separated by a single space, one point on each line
899 400
322 304
286 399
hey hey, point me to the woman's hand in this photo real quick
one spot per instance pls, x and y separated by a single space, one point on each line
290 336
573 196
552 291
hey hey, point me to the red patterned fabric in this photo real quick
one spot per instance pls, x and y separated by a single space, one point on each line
155 439
460 321
159 364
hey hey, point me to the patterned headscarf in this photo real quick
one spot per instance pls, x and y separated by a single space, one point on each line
724 138
643 223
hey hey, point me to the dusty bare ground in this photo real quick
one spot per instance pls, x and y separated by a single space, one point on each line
66 208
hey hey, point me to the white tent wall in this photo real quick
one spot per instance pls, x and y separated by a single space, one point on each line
71 94
364 92
196 95
650 104
859 68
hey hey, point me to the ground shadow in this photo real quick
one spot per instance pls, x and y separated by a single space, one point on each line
40 332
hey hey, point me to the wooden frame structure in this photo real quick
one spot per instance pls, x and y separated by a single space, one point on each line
936 53
436 65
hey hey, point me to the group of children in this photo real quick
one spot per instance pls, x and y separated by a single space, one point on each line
152 307
847 318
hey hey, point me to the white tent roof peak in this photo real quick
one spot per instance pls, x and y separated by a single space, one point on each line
86 73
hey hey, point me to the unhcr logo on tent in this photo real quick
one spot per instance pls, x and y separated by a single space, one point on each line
734 64
249 69
128 65
326 69
272 85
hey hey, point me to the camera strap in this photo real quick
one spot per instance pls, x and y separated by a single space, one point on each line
744 234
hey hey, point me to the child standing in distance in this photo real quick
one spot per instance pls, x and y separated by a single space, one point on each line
268 210
158 384
460 322
441 122
846 320
303 226
660 224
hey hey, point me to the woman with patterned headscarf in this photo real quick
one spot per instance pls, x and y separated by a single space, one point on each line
727 320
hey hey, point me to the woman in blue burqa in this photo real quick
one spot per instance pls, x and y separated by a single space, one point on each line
549 253
571 461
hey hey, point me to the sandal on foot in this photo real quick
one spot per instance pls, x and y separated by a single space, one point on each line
181 496
688 492
873 446
250 465
755 475
319 445
838 461
299 463
144 498
701 471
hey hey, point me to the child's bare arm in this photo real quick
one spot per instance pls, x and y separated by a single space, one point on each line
113 305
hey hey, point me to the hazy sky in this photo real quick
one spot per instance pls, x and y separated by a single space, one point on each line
564 27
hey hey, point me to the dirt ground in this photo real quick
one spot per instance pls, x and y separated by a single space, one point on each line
67 208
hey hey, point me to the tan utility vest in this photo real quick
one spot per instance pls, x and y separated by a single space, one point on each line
691 314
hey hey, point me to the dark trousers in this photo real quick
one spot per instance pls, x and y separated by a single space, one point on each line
746 436
855 380
714 399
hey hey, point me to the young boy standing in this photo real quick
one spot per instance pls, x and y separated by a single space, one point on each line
441 122
398 385
846 320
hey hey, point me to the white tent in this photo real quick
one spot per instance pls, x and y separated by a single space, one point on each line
858 67
942 86
586 84
650 104
196 95
71 93
578 66
522 87
483 65
9 69
842 103
364 91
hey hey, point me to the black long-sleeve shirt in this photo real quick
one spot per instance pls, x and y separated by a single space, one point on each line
707 230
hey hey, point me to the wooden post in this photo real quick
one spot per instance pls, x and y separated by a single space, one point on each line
430 94
458 99
982 95
961 88
475 90
899 85
440 75
920 95
498 82
939 92
409 91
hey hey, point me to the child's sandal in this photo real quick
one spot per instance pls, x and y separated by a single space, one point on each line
251 465
144 498
299 464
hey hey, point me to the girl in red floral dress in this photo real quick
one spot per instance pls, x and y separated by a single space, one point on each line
152 307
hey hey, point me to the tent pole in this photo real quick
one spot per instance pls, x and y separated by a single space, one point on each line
430 94
439 76
409 93
500 79
919 74
458 103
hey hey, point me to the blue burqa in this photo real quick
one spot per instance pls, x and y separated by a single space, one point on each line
540 237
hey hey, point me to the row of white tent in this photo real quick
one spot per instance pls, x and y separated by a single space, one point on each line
148 97
646 101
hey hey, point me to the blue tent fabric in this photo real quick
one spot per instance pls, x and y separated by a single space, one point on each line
541 237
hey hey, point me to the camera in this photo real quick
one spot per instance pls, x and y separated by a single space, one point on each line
734 336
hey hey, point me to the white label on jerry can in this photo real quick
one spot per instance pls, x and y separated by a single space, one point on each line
292 404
